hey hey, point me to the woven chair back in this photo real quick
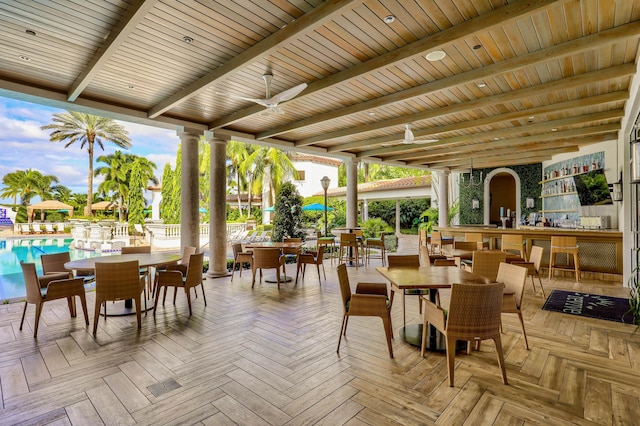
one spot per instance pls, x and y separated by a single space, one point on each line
465 245
136 249
266 258
536 257
474 311
237 248
513 277
115 281
403 260
55 262
345 288
31 282
194 272
474 237
347 239
486 263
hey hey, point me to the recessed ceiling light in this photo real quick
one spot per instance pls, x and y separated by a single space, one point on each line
531 117
131 86
482 85
496 139
187 39
436 55
554 130
372 113
477 46
30 32
389 19
25 58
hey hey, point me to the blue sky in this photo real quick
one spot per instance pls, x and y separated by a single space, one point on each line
23 145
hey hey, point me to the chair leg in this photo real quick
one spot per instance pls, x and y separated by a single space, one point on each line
451 358
83 303
186 290
386 321
498 343
343 329
37 322
541 287
253 281
524 333
138 311
423 344
24 311
233 269
72 306
404 315
155 305
204 297
96 316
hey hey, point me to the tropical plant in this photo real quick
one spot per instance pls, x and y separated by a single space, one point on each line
167 193
61 193
26 184
288 214
272 166
428 219
70 127
175 208
237 154
372 228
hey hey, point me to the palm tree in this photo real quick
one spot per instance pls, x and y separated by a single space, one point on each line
12 185
42 187
27 184
88 130
273 166
237 154
61 193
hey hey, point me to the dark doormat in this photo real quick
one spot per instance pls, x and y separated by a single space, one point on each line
589 305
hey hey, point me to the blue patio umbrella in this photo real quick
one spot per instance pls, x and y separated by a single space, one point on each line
201 210
315 207
269 209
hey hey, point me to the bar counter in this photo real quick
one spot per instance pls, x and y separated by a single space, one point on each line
600 250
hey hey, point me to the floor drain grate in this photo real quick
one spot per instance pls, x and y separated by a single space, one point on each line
163 387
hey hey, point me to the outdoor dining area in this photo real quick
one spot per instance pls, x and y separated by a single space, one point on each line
395 339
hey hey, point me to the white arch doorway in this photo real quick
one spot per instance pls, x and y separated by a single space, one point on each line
487 193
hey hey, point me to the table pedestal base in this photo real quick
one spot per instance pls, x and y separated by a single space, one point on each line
126 307
274 279
412 334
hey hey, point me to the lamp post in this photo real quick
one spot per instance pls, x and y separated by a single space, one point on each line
325 181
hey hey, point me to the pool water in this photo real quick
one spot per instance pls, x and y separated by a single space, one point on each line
29 250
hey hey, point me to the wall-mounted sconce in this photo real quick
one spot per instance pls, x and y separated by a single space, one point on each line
616 189
530 203
475 204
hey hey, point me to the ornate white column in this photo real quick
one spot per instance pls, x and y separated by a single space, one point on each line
443 202
218 209
352 193
189 190
365 210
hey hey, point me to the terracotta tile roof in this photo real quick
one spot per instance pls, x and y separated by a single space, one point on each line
384 185
315 159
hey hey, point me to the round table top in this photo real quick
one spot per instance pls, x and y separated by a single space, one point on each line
144 259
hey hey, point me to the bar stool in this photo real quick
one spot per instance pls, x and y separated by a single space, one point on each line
438 241
349 242
328 241
569 246
375 243
514 243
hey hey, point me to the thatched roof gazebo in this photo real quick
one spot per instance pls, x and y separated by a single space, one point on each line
48 205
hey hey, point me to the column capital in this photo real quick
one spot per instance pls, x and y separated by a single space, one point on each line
188 131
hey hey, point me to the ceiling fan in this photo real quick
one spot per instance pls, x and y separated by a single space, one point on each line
271 103
410 139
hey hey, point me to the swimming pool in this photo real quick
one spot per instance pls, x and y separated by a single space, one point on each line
29 250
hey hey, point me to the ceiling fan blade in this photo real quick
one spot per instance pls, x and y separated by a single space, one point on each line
408 135
287 94
262 102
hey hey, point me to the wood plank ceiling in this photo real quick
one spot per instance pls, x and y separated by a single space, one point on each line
522 80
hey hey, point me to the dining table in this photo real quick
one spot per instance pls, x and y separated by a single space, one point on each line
145 260
430 278
276 244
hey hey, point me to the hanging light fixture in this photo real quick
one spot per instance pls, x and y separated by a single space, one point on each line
472 182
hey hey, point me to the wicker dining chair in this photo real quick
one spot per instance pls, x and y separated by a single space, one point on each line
514 278
533 266
144 272
473 315
310 258
118 281
376 244
514 243
466 245
54 263
369 300
486 263
181 266
407 261
174 278
349 248
240 257
267 258
51 287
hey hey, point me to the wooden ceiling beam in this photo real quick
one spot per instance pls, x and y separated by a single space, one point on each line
609 129
301 26
432 132
569 48
542 128
538 90
493 19
135 14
